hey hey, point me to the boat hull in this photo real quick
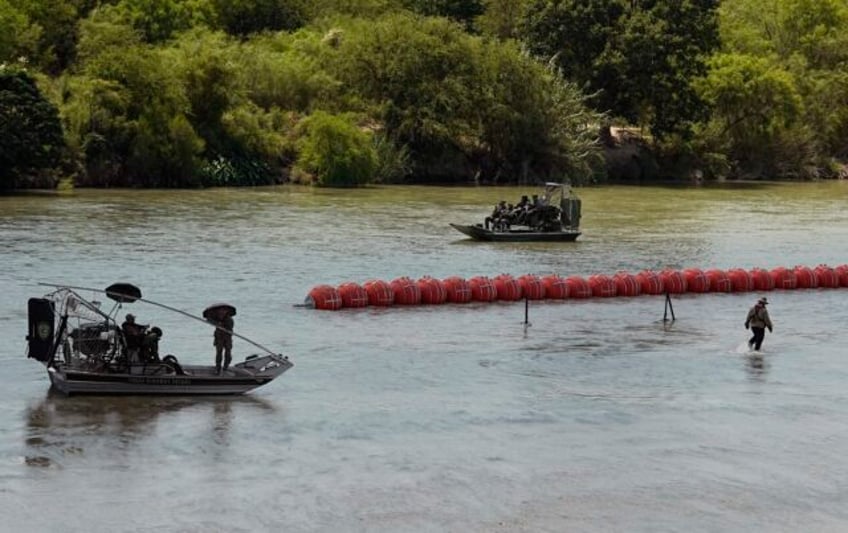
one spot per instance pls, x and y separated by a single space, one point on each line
196 380
481 234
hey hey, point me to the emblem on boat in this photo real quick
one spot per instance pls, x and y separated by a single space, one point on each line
44 329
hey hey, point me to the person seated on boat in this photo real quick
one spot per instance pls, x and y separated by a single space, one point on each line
133 336
497 213
150 345
519 212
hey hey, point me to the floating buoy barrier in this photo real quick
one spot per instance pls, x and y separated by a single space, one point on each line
380 293
718 280
433 291
602 286
459 291
324 297
555 287
762 279
482 289
353 295
578 288
696 281
626 284
842 275
741 280
404 291
508 288
650 282
531 287
827 277
784 278
673 281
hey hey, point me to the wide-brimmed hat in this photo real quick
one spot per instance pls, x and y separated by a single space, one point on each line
763 301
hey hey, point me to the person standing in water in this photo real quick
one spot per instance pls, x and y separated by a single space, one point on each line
758 320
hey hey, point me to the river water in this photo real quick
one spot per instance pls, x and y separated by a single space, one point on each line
598 417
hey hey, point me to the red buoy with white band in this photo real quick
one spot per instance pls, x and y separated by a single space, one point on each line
353 295
508 288
482 289
324 297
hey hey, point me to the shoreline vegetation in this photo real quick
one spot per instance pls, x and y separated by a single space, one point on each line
344 93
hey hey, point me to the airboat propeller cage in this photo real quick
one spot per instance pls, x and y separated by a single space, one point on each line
218 311
124 293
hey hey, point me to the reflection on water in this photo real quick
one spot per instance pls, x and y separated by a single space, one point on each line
60 428
757 367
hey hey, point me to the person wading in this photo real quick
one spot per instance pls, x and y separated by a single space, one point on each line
758 320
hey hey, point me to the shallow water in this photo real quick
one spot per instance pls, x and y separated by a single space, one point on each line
597 417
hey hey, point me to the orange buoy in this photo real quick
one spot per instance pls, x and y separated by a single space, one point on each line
483 289
762 279
650 282
842 274
531 287
459 292
740 280
578 287
507 287
352 295
324 297
602 285
784 278
827 277
433 291
379 292
406 291
696 281
806 277
555 287
626 284
673 281
718 280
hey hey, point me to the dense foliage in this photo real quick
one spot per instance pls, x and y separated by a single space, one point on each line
182 93
31 141
637 58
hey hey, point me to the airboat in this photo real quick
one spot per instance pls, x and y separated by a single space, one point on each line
85 351
554 218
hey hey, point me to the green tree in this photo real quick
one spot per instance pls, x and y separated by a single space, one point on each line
31 139
638 58
159 20
806 41
335 151
463 107
127 111
754 103
462 11
18 36
501 18
245 17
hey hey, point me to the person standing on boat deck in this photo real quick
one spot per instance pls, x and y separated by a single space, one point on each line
758 320
224 342
133 335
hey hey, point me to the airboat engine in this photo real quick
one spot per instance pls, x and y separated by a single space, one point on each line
570 212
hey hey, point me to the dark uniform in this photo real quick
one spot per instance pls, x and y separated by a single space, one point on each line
224 343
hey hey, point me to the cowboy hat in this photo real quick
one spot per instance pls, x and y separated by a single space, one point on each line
763 301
